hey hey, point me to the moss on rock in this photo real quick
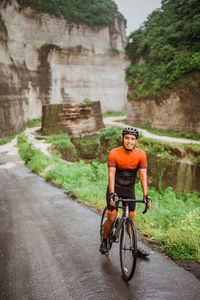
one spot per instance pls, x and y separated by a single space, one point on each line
87 147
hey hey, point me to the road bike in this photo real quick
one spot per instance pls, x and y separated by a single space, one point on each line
123 230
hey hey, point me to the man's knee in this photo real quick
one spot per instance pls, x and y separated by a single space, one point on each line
131 215
112 217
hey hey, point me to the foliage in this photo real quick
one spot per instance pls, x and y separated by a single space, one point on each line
165 48
87 100
87 146
115 50
173 221
34 158
110 132
60 140
33 123
50 44
91 12
22 139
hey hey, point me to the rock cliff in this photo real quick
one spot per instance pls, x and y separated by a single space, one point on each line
179 110
46 59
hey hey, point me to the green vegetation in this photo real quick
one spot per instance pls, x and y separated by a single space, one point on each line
60 140
115 50
169 132
91 12
50 44
6 139
87 147
110 132
165 49
115 114
87 100
173 220
62 143
32 123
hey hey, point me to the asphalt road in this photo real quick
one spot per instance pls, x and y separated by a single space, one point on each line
49 249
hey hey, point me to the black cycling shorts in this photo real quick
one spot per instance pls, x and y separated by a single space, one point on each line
124 193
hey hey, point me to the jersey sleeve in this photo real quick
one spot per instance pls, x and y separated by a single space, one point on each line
143 161
111 159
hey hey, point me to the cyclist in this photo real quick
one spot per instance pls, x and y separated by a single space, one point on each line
123 163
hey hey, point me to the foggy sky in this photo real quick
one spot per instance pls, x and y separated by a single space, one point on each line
136 11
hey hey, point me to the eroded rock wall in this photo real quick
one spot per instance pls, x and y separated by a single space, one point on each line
77 120
179 111
46 59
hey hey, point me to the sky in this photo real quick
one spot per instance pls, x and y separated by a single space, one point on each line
136 11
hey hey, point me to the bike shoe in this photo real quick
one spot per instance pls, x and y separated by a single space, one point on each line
103 248
142 253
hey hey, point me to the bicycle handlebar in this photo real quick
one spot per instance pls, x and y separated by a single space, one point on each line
134 200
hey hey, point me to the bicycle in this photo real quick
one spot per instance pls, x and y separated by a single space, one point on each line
128 238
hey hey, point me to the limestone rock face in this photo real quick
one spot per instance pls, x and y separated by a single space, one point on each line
179 111
77 120
46 59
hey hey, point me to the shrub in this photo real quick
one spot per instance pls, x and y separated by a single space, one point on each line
91 12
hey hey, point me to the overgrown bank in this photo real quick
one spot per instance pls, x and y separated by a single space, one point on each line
165 50
172 221
91 12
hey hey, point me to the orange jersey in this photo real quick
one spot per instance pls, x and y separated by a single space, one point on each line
126 164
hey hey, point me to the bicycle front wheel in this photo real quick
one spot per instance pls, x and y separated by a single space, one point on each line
128 250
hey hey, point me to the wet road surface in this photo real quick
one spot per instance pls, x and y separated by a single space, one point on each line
49 249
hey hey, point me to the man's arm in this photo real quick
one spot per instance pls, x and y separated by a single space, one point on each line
143 179
111 181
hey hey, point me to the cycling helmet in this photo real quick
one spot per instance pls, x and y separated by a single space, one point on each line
130 130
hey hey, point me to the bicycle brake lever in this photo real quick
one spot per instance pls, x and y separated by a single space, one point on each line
146 208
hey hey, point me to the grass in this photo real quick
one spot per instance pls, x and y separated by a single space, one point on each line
110 132
169 132
31 123
60 140
115 114
6 140
173 220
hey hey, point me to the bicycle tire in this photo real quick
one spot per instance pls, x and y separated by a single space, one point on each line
128 250
103 219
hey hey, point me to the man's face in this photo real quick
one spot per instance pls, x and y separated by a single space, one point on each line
129 141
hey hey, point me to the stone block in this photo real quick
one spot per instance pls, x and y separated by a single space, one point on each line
77 120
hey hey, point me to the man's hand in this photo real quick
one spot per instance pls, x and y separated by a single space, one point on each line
113 196
147 200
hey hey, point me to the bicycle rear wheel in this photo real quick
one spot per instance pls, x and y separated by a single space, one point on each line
103 220
128 250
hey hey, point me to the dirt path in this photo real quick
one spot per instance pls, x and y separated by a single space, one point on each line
115 121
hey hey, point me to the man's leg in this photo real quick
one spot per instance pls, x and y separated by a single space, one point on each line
112 215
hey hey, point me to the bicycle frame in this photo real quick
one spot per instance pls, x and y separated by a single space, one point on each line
125 215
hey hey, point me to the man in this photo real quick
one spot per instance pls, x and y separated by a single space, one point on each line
123 163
